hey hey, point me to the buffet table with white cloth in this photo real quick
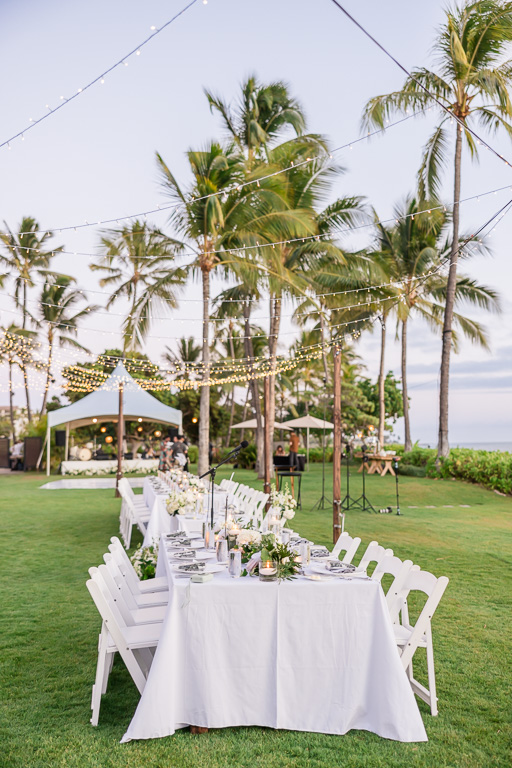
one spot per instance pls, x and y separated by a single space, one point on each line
298 655
160 520
109 466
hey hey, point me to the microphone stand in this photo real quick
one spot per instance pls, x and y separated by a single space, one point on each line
212 472
395 467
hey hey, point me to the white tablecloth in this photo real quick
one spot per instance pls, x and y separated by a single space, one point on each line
160 520
108 466
297 655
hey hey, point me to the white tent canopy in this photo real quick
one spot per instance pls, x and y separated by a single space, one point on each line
103 405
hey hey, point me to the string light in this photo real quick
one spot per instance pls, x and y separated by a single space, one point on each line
235 187
100 78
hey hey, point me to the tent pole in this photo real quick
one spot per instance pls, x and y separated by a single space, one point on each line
48 437
307 446
120 440
66 446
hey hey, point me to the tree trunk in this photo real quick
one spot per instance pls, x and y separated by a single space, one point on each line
204 403
11 403
336 458
244 413
382 402
23 365
232 411
48 373
275 319
407 425
443 447
249 353
324 351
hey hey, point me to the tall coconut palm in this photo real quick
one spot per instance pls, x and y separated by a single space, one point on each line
472 82
259 117
59 317
139 261
26 256
203 217
409 252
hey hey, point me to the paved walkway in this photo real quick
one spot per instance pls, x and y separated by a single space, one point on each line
88 483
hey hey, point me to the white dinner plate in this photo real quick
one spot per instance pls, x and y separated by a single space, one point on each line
209 568
205 556
322 571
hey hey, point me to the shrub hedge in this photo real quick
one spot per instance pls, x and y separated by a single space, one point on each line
492 469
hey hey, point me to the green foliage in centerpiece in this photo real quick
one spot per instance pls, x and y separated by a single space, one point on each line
144 561
251 542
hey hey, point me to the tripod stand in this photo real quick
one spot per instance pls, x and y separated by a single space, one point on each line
363 502
320 504
395 467
347 502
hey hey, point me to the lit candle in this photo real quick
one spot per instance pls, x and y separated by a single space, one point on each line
267 568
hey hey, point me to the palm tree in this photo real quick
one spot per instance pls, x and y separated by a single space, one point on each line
203 217
57 312
259 117
471 82
188 353
13 350
414 248
25 256
139 261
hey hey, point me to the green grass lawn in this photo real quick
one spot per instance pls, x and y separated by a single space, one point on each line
48 641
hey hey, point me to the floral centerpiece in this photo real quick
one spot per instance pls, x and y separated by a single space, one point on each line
283 503
144 561
196 483
257 548
182 502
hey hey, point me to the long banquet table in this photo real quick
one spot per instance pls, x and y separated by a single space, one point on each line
161 522
298 655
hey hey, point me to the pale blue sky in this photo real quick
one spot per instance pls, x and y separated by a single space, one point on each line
95 159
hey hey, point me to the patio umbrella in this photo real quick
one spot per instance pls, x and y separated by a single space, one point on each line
307 422
252 424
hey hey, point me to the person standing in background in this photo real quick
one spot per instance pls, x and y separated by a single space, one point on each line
294 447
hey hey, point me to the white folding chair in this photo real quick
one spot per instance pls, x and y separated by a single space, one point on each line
134 644
348 545
137 499
260 507
409 638
373 554
132 600
131 615
157 584
393 566
132 512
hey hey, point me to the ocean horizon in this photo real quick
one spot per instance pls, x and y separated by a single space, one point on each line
505 446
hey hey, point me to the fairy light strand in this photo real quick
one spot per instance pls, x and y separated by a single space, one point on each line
99 79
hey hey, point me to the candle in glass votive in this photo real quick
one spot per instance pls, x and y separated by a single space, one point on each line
267 568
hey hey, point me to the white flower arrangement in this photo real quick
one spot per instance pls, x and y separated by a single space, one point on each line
283 502
197 483
248 536
176 503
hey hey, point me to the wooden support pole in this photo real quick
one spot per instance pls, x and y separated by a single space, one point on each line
336 458
120 440
267 440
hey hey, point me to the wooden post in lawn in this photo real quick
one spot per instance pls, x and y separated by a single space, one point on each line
336 456
120 440
267 442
